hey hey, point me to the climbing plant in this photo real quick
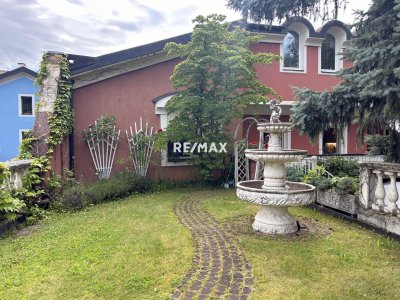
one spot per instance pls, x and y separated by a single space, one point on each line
102 140
9 206
33 181
61 119
25 147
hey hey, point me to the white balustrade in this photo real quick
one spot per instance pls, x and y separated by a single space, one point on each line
18 169
379 191
374 177
310 162
392 194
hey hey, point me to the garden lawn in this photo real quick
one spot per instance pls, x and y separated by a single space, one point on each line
130 249
137 249
349 263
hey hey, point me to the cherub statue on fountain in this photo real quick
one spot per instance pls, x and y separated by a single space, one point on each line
276 111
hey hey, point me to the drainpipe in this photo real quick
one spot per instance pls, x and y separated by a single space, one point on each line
71 136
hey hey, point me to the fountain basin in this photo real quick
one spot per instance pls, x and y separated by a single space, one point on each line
280 156
296 193
275 127
273 216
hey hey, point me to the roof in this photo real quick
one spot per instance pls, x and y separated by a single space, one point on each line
17 71
84 64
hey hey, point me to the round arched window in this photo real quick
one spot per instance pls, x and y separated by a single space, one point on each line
291 50
328 53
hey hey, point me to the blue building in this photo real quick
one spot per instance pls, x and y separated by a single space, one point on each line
17 109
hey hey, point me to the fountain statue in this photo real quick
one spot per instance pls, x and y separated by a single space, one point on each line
274 193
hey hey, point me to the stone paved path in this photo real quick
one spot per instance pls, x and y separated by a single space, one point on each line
219 267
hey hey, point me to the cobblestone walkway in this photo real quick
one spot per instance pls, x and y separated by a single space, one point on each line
219 267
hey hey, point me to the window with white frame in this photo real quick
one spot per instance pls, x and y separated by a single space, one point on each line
329 143
26 105
23 134
330 59
291 50
328 53
168 157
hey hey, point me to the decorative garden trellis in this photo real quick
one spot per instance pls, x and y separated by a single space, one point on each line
241 162
141 143
102 139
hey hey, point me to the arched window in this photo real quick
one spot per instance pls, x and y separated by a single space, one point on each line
291 50
328 53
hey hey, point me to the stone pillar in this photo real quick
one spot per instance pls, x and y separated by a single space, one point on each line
47 97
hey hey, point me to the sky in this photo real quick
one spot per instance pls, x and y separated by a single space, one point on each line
96 27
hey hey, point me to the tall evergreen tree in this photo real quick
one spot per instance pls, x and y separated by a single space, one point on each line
215 81
268 10
370 89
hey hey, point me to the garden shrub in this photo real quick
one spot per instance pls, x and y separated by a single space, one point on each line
323 183
345 185
294 174
119 186
313 176
73 198
338 166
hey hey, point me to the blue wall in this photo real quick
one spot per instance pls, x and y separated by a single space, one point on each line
10 121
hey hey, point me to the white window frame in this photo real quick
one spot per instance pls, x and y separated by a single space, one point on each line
164 121
20 105
20 131
340 38
342 145
302 32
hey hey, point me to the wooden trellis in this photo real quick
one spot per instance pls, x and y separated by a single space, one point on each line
141 142
102 149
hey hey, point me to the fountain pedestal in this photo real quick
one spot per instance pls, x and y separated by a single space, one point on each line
275 220
274 193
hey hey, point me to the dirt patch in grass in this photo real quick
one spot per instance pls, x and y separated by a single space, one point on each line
26 230
310 228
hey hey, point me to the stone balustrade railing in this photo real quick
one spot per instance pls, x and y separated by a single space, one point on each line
379 187
310 162
18 169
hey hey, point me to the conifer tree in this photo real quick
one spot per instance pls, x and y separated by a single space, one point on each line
268 10
369 93
215 81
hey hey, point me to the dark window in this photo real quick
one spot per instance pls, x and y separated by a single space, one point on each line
25 134
329 142
328 53
176 156
26 105
291 50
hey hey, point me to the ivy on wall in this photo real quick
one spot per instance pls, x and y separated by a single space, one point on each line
61 120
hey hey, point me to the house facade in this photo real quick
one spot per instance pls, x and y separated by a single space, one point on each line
17 109
135 83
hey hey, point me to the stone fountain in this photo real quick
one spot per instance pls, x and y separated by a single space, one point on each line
274 193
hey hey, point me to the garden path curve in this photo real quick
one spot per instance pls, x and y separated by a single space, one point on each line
219 267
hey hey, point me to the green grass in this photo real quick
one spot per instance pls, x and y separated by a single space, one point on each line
349 263
131 249
137 249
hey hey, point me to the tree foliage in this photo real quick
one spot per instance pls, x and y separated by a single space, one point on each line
215 81
370 89
268 10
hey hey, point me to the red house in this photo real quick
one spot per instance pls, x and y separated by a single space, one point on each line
135 83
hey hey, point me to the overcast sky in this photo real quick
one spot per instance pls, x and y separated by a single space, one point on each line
96 27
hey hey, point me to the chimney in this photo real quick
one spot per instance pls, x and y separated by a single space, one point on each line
21 64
